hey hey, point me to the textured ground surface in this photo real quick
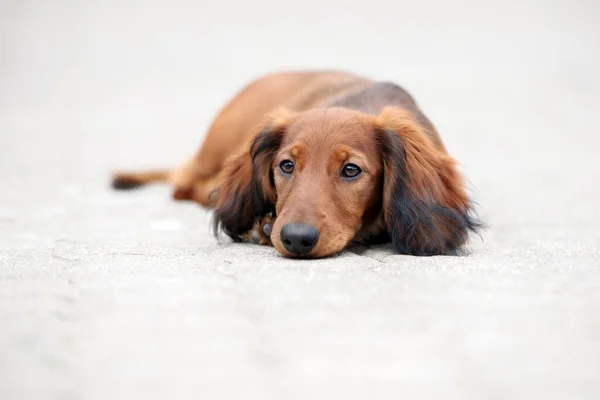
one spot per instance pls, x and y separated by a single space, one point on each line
124 296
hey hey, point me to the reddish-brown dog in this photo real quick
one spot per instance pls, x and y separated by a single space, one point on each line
310 162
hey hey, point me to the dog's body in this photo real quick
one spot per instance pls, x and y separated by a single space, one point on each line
312 161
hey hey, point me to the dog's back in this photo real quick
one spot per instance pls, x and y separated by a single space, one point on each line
373 97
243 116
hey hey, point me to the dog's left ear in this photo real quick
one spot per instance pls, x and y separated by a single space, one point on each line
247 191
426 208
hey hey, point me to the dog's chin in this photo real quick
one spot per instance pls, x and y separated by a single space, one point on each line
323 251
314 254
309 256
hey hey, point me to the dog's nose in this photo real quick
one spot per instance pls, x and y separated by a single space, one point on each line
299 238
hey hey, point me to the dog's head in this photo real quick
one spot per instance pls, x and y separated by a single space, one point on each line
334 175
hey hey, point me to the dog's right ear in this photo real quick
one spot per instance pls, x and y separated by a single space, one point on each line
247 191
425 204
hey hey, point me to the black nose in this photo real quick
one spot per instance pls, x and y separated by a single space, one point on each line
299 238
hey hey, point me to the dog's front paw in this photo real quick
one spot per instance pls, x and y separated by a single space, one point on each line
261 231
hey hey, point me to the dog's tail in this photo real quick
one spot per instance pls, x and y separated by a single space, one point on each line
131 180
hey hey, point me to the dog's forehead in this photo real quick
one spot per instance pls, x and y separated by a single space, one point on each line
323 129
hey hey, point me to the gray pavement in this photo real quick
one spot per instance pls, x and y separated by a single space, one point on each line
122 296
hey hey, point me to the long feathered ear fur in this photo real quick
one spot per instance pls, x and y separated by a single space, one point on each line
426 209
247 192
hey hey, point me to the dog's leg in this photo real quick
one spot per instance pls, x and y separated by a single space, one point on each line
188 180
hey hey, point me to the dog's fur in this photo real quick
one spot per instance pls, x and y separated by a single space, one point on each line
409 191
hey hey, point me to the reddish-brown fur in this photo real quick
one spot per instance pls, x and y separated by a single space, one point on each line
409 191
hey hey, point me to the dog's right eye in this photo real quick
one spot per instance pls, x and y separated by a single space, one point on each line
286 166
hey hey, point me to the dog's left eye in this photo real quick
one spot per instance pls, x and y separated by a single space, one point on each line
351 171
286 166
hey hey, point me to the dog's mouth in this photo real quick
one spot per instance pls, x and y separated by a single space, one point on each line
262 231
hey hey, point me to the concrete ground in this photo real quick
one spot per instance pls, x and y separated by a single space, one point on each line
127 295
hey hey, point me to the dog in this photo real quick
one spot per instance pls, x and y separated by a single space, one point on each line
310 162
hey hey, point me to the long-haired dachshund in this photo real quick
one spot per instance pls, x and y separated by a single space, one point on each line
313 161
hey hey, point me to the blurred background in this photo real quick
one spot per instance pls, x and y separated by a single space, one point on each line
119 79
99 293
